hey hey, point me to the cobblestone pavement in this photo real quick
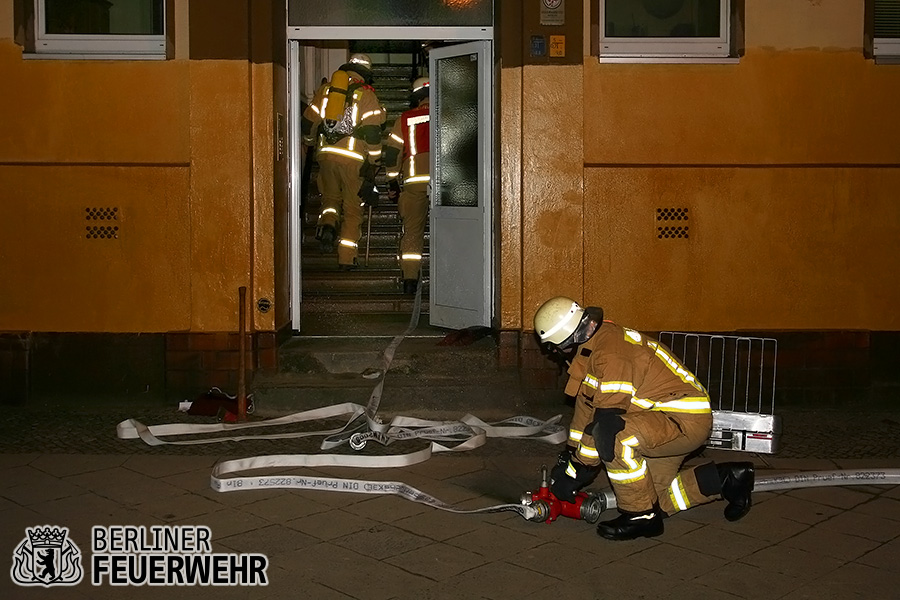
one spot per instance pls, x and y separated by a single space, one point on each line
63 465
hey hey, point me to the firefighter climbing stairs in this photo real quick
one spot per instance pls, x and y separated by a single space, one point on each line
375 286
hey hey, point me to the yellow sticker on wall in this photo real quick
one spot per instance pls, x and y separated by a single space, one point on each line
557 45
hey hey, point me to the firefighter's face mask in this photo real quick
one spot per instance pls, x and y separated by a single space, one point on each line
587 327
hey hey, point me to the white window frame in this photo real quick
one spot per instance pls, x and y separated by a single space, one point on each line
128 47
886 50
633 49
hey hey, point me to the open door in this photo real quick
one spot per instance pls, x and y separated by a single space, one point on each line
461 247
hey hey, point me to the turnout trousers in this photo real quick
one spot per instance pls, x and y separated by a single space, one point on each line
413 208
648 457
339 182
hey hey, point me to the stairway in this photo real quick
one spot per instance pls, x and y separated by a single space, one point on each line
425 379
375 287
350 318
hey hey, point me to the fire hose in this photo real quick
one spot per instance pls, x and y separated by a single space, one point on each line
467 433
589 505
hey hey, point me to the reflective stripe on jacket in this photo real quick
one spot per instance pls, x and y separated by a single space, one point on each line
367 117
406 153
622 368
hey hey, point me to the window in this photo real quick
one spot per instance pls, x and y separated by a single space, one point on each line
107 28
886 30
664 30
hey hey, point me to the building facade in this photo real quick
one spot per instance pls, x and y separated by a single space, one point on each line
752 191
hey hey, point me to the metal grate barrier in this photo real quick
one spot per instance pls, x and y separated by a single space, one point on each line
739 374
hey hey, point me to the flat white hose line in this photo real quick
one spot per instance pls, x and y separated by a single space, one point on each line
467 433
841 477
804 479
362 426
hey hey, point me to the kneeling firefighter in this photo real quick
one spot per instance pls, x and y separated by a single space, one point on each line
638 413
345 120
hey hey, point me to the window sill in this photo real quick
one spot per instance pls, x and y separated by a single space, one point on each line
682 60
75 56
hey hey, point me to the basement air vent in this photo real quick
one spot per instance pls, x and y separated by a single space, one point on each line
671 223
102 232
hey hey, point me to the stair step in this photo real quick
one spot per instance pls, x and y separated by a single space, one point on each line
314 261
425 376
398 95
362 280
332 325
379 230
389 219
416 354
310 247
379 240
381 237
383 71
356 304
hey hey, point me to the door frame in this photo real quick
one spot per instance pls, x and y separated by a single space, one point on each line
296 36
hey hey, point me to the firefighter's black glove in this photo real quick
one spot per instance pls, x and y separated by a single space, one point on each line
607 423
564 487
368 171
561 356
369 194
563 457
393 190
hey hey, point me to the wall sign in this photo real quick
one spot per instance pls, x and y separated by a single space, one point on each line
557 45
553 12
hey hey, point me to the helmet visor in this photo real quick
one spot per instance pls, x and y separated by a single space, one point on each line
590 322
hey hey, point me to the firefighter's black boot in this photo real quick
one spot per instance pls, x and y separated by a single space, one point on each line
326 236
737 488
409 286
629 525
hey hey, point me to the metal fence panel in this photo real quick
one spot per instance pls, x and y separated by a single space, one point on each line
739 374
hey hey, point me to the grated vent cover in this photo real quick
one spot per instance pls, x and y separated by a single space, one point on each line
671 223
102 232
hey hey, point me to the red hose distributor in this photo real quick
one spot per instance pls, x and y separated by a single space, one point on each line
586 507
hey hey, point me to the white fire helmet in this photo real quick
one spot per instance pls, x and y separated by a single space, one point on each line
362 60
557 319
420 84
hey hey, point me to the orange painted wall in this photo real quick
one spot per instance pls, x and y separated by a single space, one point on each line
552 174
793 226
54 278
787 161
172 145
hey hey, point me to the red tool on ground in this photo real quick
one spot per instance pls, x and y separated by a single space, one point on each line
586 507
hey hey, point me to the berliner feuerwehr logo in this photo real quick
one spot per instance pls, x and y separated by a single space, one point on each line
46 557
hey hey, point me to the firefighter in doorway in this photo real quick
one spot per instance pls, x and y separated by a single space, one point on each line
345 121
406 155
638 413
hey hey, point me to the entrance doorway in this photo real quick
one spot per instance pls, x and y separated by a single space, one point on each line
458 262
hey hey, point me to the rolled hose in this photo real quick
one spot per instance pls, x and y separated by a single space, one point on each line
806 479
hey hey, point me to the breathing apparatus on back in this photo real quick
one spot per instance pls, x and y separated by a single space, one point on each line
338 116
